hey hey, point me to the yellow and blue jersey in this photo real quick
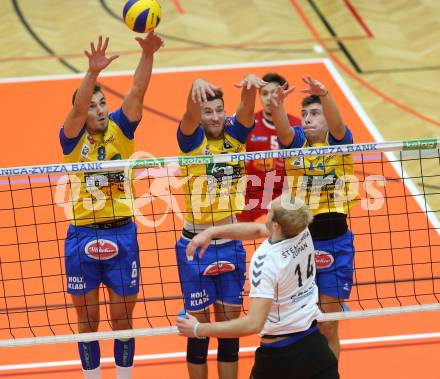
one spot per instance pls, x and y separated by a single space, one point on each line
214 191
101 196
324 182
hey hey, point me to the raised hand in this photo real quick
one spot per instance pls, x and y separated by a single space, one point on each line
151 43
200 89
278 96
316 88
250 81
97 58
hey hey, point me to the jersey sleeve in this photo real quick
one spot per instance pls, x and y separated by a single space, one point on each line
298 141
348 138
237 130
69 144
192 142
262 279
128 127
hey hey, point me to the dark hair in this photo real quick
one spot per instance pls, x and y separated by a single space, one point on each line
217 95
313 99
96 88
273 77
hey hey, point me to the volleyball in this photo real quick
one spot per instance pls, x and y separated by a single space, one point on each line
142 16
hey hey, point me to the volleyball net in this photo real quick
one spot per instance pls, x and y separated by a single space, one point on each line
394 217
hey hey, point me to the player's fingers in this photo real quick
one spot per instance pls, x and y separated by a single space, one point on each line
261 83
306 91
92 48
289 91
87 53
203 95
189 257
203 250
113 57
200 95
193 95
210 89
99 43
190 253
239 84
105 44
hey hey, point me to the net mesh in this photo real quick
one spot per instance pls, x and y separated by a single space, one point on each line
395 221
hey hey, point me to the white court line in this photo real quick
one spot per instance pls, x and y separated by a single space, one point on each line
166 70
182 354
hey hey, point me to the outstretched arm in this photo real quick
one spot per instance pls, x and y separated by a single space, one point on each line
239 231
335 124
285 132
133 102
252 323
246 109
198 93
98 61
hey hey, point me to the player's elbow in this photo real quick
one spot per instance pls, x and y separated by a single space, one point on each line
263 232
255 325
285 139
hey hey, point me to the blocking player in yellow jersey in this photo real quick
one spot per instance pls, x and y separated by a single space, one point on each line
324 183
101 244
212 197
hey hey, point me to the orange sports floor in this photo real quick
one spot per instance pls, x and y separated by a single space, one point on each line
33 112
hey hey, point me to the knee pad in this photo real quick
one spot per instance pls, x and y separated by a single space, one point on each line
228 349
197 350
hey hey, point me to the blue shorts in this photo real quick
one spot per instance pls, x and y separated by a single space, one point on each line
94 256
334 265
217 277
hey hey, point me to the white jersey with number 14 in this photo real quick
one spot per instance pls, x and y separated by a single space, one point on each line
285 272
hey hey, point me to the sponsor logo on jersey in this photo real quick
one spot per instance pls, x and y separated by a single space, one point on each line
298 163
85 151
259 138
109 139
228 121
227 144
218 268
205 150
323 259
101 249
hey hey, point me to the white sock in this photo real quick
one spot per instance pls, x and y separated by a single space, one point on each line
123 372
92 374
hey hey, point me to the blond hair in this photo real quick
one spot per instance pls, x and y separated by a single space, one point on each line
292 214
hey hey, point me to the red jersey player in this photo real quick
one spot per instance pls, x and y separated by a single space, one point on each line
265 176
